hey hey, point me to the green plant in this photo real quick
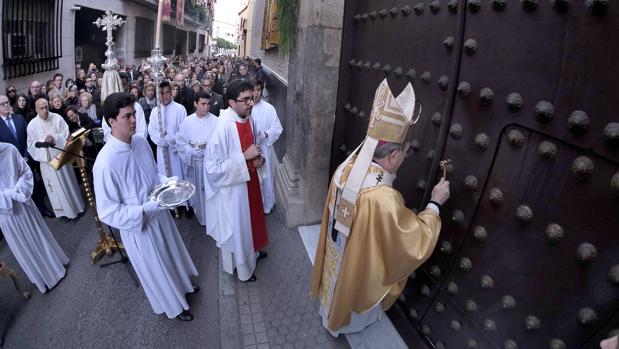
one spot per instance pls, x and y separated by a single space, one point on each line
288 14
225 44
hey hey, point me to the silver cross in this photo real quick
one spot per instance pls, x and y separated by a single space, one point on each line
109 22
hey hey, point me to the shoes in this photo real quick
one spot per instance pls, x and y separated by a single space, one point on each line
262 255
65 219
189 213
186 315
252 278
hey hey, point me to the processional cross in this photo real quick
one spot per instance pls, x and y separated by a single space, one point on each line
109 22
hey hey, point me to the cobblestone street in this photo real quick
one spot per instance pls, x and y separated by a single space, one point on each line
101 308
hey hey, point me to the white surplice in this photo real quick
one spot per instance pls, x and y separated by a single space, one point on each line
195 132
25 231
141 129
227 203
172 115
268 130
124 174
62 188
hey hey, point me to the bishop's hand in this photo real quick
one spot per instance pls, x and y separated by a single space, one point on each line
440 192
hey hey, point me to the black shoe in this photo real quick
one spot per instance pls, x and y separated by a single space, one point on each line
262 255
196 289
252 278
189 213
65 219
186 315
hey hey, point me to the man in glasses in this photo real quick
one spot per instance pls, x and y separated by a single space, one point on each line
234 211
34 93
217 101
370 242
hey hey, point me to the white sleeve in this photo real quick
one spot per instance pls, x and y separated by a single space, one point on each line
433 207
182 145
222 167
275 128
111 211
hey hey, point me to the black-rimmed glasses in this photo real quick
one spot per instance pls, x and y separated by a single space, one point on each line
246 100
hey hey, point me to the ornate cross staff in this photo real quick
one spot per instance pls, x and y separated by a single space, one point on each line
106 244
109 22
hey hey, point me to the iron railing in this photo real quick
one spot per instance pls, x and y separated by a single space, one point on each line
31 32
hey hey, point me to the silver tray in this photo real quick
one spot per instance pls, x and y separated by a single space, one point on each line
173 193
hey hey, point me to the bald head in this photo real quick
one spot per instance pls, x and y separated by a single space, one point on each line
41 106
180 79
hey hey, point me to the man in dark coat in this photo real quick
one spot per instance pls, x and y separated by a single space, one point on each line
217 101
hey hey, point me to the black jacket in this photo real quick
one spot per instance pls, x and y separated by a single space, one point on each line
6 135
217 103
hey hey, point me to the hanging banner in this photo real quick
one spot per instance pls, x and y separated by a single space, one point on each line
270 25
180 12
165 13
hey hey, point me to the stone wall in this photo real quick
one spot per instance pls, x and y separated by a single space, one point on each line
313 71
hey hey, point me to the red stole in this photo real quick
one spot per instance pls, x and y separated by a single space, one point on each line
256 208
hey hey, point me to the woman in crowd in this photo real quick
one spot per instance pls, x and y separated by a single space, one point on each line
176 93
195 86
72 98
88 108
49 87
56 105
80 81
149 101
135 91
11 93
23 108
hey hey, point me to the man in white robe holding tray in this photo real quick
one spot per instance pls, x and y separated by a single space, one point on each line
124 174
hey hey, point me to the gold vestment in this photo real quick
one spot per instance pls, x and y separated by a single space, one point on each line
387 242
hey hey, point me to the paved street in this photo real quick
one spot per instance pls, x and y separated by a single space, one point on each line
101 308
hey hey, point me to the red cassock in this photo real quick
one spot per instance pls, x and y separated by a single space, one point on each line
256 210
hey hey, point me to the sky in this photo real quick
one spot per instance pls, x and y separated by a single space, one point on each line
228 10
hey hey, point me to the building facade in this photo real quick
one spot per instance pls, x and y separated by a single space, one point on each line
43 37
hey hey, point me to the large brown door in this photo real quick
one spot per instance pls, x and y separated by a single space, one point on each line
521 96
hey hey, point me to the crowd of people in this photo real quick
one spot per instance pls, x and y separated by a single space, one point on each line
209 126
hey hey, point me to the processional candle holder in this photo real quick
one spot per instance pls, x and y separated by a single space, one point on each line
156 63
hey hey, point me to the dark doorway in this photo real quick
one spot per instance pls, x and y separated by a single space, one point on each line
89 39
